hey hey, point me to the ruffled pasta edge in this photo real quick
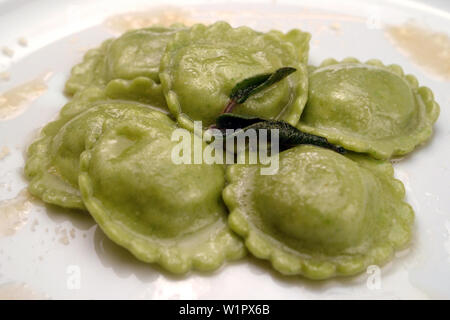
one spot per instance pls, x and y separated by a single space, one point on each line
384 149
290 262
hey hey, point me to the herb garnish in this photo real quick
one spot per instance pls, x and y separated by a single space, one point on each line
235 121
289 136
247 87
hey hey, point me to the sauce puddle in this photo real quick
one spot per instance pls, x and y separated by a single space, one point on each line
14 213
19 291
142 19
14 101
428 49
4 152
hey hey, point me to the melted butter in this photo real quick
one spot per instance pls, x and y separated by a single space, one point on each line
4 152
167 16
5 76
8 52
14 101
19 291
429 50
14 213
303 14
22 41
63 236
142 19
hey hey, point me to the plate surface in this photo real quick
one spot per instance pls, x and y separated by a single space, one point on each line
62 254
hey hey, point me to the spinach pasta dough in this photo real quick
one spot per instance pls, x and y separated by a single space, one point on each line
368 107
127 66
89 72
138 53
162 212
322 215
53 160
202 64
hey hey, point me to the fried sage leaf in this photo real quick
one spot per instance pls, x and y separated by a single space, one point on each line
202 65
236 121
289 136
247 87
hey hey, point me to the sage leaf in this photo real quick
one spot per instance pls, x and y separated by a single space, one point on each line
289 136
235 121
249 86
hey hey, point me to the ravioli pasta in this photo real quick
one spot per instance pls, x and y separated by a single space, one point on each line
138 53
53 160
202 64
322 215
90 72
128 66
368 107
164 213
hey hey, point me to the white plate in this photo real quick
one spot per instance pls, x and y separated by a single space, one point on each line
62 254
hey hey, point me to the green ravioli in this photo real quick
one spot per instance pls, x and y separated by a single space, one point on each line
202 64
53 160
140 89
368 107
127 66
137 53
322 215
162 212
89 72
